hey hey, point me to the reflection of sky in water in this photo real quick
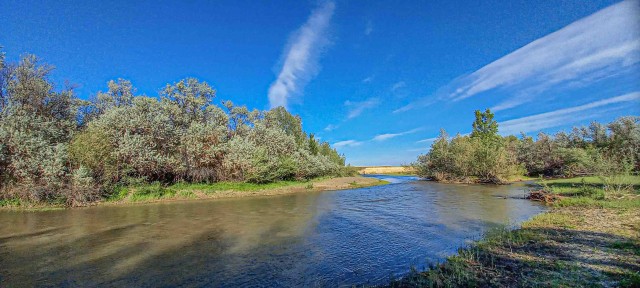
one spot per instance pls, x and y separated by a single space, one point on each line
308 239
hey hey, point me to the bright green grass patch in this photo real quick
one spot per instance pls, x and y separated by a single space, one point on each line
619 192
598 203
234 186
503 234
13 202
552 220
186 194
627 179
17 204
151 192
119 193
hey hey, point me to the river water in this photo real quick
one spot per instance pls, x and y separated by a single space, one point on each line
335 238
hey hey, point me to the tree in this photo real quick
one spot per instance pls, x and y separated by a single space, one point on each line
36 123
484 126
313 145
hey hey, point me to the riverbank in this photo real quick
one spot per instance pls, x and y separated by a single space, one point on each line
149 193
387 170
590 237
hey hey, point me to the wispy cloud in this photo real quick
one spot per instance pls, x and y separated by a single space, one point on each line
347 143
377 138
426 101
367 80
585 51
369 28
356 108
427 140
331 127
563 116
300 59
383 137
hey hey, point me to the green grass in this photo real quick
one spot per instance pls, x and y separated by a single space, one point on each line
599 203
151 192
627 179
592 191
18 204
13 202
233 186
522 255
156 191
627 245
553 220
119 193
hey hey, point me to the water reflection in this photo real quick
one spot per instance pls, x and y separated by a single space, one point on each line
310 239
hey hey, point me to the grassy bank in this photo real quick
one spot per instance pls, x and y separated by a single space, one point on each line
185 191
590 238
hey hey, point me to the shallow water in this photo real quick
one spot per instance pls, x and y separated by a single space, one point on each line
335 238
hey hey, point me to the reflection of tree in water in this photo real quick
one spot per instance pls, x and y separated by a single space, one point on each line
158 243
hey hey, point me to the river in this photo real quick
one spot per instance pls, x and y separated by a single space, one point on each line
315 239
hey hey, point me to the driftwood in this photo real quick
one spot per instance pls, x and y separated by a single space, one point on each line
543 196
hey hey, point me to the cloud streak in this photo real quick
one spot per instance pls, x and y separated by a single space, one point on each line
301 57
427 140
369 28
562 116
356 108
383 137
347 143
604 41
377 138
592 48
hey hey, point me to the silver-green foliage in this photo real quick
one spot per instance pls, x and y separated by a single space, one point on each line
485 156
36 125
466 158
61 146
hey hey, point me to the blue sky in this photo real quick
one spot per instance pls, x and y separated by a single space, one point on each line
377 79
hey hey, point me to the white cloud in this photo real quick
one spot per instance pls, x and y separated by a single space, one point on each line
427 140
398 85
300 59
608 39
369 28
563 116
367 80
330 127
416 104
383 137
592 48
347 143
356 108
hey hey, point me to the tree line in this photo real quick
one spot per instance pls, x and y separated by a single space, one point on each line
57 147
485 156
